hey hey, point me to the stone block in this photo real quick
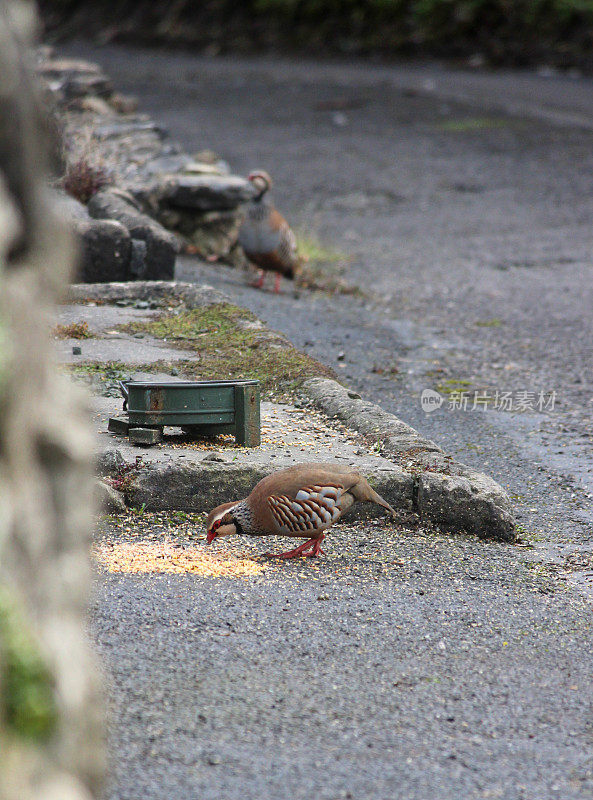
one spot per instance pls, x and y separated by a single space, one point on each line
161 246
104 250
475 504
118 425
145 436
205 192
108 499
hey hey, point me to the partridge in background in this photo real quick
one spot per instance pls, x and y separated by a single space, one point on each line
265 235
302 502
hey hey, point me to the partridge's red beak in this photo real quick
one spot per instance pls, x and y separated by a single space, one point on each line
210 536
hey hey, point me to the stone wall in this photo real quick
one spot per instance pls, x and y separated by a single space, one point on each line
50 727
124 168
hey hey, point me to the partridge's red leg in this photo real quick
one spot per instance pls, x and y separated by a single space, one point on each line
301 550
317 546
260 282
277 283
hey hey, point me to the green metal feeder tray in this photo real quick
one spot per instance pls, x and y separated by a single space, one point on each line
202 407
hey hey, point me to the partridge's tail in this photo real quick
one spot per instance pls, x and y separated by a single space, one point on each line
364 492
376 498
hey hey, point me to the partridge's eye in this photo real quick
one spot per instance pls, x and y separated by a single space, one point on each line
216 525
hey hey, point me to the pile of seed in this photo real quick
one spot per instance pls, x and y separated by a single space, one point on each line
143 557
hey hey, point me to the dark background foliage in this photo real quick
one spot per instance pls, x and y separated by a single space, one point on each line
513 32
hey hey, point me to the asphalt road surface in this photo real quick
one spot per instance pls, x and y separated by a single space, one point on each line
438 666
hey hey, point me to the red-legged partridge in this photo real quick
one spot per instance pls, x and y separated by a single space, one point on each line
265 235
302 502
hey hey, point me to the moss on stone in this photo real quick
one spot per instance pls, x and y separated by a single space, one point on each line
27 701
106 369
227 342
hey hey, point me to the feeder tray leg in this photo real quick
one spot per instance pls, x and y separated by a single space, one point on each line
119 425
247 423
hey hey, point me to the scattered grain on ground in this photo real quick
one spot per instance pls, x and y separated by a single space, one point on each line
143 557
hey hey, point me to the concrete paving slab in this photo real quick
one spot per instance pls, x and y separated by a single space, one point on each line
186 475
336 426
109 343
118 348
289 435
102 318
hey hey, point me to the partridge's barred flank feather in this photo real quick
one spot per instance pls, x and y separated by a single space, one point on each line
266 236
302 501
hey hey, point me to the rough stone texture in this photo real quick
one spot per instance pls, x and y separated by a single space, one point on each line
137 267
107 498
476 504
145 436
161 292
205 192
369 419
109 462
105 246
163 487
165 165
129 127
161 246
74 78
210 233
171 486
204 208
194 196
451 495
45 466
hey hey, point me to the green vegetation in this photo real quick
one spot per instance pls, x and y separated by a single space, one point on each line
103 376
453 385
104 372
518 32
227 343
322 266
27 701
314 252
472 124
489 323
75 330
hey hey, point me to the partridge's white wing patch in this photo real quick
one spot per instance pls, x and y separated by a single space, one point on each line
313 508
292 242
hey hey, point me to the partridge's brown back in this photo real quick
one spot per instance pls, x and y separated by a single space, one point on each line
267 239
